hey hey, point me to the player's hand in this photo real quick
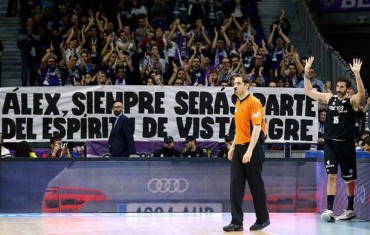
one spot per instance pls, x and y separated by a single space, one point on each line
356 67
308 64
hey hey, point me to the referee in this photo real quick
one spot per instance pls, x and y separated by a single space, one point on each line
246 155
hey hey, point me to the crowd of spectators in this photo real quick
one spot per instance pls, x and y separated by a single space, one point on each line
143 42
157 42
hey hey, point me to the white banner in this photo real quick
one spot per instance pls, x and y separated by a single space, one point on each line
84 113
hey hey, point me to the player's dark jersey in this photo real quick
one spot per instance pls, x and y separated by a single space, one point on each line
340 119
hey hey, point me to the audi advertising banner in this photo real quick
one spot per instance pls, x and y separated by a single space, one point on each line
147 185
185 185
85 113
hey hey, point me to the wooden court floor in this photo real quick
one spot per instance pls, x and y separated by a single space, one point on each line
171 224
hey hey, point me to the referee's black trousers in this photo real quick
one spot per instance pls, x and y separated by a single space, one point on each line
240 172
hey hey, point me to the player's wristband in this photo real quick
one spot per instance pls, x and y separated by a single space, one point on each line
306 75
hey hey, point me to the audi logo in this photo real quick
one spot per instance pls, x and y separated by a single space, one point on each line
168 185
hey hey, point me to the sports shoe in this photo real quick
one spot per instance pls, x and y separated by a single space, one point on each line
233 227
259 226
328 216
347 215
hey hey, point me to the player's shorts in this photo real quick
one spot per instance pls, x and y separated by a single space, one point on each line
342 153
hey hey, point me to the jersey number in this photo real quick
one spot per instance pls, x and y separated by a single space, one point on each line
335 120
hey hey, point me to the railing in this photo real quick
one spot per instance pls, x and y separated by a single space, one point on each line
328 62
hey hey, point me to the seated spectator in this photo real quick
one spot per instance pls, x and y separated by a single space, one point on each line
103 79
199 48
282 23
4 151
363 134
58 149
142 28
71 72
224 148
94 43
257 77
225 72
23 149
88 79
108 65
247 52
234 32
192 150
200 31
223 84
125 43
366 144
77 150
327 87
180 36
50 74
179 74
272 84
124 60
196 71
168 149
313 79
262 63
178 82
291 58
212 78
87 66
152 62
278 43
280 81
150 81
220 48
237 64
322 119
121 78
154 79
292 78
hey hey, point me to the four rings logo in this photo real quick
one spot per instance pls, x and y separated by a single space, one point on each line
168 185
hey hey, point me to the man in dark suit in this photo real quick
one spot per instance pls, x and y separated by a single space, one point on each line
121 140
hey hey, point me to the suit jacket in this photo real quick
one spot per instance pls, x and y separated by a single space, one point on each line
121 139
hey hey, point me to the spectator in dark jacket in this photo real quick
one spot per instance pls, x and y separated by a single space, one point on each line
168 149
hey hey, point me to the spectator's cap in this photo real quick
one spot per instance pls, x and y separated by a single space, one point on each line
168 139
228 138
189 138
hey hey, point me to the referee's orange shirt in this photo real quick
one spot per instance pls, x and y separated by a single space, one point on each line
248 112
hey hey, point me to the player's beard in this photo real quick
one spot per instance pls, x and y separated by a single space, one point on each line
341 94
